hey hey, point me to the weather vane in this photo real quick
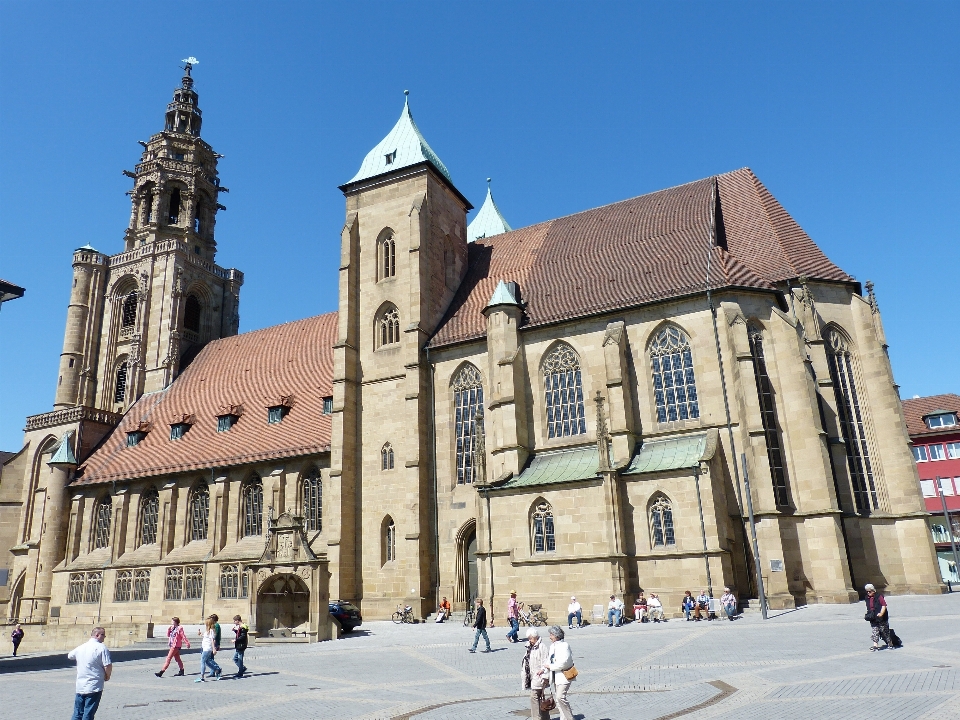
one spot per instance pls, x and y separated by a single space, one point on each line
190 61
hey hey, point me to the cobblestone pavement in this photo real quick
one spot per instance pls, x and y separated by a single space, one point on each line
809 663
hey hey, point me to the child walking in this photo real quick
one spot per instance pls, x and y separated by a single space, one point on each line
176 639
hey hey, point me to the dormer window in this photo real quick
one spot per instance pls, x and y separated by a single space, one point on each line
391 157
225 422
178 430
941 420
276 413
328 405
134 438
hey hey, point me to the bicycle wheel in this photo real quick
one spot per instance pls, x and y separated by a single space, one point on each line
468 619
409 618
539 620
398 617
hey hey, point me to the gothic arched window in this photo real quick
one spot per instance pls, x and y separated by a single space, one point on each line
386 255
768 414
312 491
120 393
199 512
253 508
191 314
101 523
149 513
544 538
386 457
661 522
851 422
467 400
564 392
674 384
389 540
128 313
387 326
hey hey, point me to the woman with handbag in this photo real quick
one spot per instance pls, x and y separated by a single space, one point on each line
532 676
562 672
879 619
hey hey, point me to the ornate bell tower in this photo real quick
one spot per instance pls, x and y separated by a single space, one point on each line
137 319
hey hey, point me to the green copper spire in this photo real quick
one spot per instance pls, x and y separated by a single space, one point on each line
402 147
63 456
489 221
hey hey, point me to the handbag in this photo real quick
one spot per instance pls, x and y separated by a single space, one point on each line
870 616
571 673
547 703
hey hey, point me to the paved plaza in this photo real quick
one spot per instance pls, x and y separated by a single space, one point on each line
809 663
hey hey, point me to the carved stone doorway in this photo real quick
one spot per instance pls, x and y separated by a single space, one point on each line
283 602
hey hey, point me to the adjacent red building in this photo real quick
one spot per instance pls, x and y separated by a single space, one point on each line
934 426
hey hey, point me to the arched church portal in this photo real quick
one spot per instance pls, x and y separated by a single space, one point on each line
283 602
468 586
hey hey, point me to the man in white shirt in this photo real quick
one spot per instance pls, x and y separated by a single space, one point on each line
94 668
655 607
574 611
614 611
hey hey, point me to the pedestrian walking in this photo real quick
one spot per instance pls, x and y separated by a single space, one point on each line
729 602
176 639
574 610
513 618
480 623
216 632
241 632
16 637
562 672
878 615
533 673
208 651
94 668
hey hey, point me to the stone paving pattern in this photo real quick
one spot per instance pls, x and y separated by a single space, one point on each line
809 663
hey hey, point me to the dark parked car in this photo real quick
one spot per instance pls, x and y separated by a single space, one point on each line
346 614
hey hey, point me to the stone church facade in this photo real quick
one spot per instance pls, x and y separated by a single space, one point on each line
579 407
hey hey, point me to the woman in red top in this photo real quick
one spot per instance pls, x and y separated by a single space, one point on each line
176 638
878 617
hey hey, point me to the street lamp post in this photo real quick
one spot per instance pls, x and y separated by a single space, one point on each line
946 517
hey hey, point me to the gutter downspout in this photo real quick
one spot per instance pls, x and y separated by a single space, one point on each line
703 530
433 470
723 378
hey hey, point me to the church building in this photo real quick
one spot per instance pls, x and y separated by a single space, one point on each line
589 406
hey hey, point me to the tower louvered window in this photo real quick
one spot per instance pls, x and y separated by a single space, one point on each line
389 540
674 383
199 512
768 414
173 217
387 327
387 260
253 508
102 514
661 523
128 313
313 501
850 417
386 457
191 314
120 393
564 393
149 512
467 400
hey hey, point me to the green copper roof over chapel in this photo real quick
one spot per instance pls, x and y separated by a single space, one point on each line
489 220
402 147
675 453
558 466
503 295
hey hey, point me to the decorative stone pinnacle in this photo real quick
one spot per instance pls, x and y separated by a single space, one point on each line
603 437
872 297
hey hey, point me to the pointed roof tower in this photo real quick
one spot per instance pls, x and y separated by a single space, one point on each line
489 220
403 146
183 114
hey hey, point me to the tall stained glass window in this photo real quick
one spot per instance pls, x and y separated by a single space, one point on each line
768 414
467 399
674 384
564 392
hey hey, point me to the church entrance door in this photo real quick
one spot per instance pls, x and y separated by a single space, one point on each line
283 602
473 587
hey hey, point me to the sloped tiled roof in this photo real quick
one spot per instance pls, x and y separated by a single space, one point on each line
253 370
646 249
915 409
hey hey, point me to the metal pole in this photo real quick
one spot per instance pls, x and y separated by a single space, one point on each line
703 532
946 516
753 535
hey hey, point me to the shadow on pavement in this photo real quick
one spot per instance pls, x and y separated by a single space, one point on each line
60 661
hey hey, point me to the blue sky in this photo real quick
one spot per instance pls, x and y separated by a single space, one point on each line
848 112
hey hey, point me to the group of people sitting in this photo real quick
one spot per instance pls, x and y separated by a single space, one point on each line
650 609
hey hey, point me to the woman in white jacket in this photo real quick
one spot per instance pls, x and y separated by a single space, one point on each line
561 659
533 676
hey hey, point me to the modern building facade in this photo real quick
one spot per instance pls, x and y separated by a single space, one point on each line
934 429
576 407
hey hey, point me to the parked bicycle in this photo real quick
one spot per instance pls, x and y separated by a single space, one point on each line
468 618
404 615
532 617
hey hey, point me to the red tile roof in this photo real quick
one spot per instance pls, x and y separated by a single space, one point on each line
254 370
915 409
646 249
